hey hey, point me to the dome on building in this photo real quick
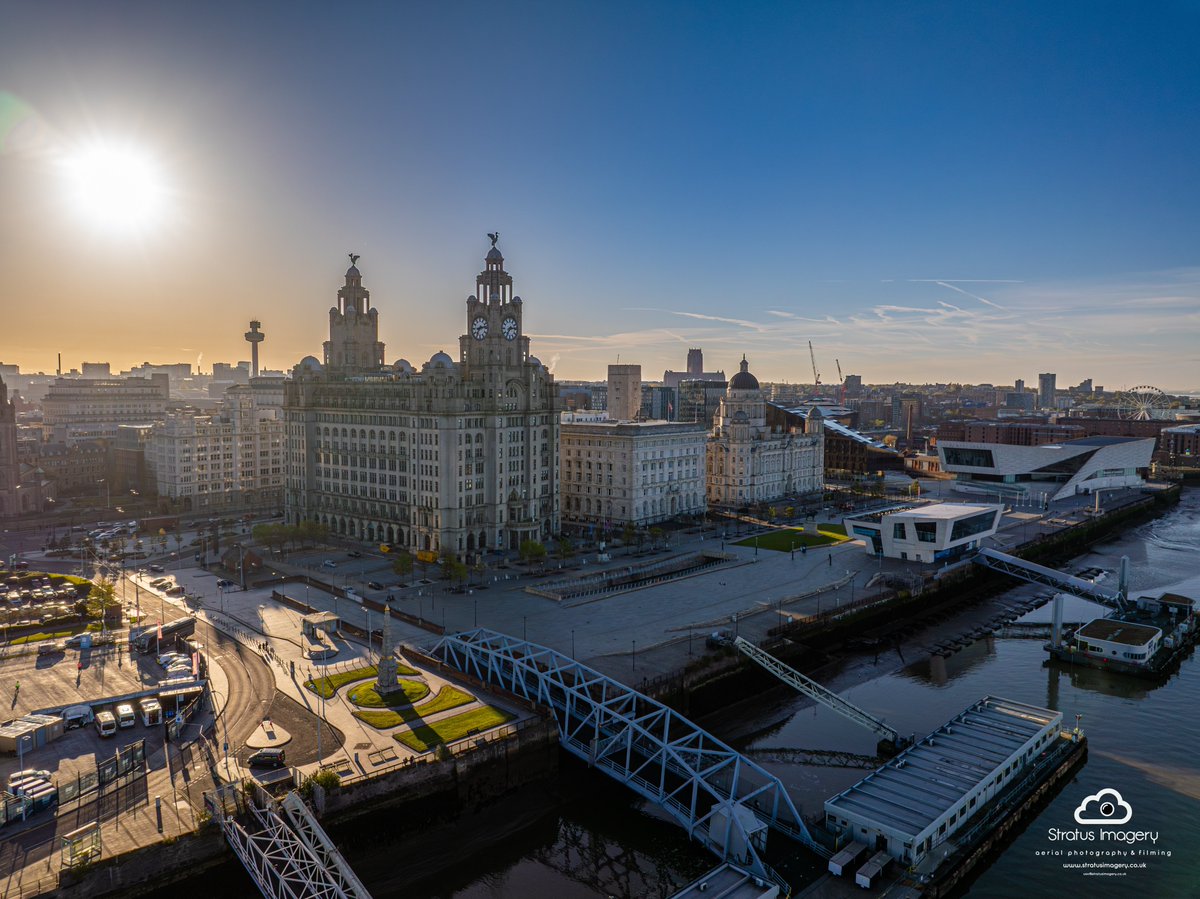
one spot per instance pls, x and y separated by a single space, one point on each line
353 272
441 360
310 363
743 380
494 255
403 365
535 360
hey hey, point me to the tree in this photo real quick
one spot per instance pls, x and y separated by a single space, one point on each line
102 599
455 570
656 536
789 513
531 551
566 549
628 533
402 564
771 513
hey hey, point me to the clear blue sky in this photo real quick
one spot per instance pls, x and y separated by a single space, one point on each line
743 177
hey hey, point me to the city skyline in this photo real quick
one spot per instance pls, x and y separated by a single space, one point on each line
957 194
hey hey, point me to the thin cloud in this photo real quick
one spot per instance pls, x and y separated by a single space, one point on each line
973 296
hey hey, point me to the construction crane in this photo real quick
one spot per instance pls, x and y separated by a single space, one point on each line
841 381
813 357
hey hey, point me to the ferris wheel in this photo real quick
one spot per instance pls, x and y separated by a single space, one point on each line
1142 403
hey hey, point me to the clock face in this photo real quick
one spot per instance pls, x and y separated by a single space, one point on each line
509 328
479 327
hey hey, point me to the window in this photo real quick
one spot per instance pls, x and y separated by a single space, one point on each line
926 531
898 531
976 524
968 458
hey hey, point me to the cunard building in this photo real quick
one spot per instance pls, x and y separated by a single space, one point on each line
458 456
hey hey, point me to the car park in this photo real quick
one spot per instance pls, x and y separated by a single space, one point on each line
168 658
267 758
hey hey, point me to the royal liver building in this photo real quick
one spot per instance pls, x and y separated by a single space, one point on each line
457 457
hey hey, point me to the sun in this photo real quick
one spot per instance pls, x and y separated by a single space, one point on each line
117 189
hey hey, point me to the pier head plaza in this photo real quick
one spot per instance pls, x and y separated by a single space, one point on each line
283 662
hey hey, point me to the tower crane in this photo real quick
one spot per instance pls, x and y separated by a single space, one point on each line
813 357
841 382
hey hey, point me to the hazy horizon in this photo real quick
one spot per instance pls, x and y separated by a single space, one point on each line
950 193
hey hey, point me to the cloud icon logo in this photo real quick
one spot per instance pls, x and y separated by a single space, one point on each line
1105 807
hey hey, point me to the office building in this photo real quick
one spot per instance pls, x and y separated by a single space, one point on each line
77 410
1046 390
629 472
624 392
694 371
934 532
230 460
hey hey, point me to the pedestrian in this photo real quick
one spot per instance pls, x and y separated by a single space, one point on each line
17 688
831 560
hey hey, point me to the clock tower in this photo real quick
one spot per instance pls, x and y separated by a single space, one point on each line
494 333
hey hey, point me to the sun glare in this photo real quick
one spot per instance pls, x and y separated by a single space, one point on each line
115 188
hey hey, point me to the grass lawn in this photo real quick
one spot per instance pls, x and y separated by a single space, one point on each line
783 539
327 686
424 737
410 691
838 528
447 698
38 637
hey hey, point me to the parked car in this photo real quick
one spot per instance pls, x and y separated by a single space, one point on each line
375 585
221 584
78 640
354 554
329 563
157 569
267 758
51 648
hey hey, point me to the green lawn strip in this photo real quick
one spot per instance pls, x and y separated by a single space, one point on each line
447 698
38 637
832 528
784 539
327 686
365 695
424 737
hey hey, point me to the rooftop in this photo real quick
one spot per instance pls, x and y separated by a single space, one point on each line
921 784
1115 631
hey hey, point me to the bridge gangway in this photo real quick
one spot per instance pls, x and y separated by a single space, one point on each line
283 848
718 796
813 690
1049 577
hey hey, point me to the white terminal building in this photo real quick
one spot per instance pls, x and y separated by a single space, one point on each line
920 799
636 472
932 532
1057 470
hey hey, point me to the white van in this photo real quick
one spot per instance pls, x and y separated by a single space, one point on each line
106 724
77 716
125 715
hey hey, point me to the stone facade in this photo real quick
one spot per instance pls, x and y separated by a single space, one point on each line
231 460
751 462
458 457
618 472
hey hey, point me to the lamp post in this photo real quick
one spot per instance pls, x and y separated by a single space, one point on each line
633 654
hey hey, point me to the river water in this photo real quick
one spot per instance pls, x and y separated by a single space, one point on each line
585 837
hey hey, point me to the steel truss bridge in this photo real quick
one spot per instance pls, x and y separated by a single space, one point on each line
283 848
1049 577
813 690
718 796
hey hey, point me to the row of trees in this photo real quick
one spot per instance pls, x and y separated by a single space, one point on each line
289 536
